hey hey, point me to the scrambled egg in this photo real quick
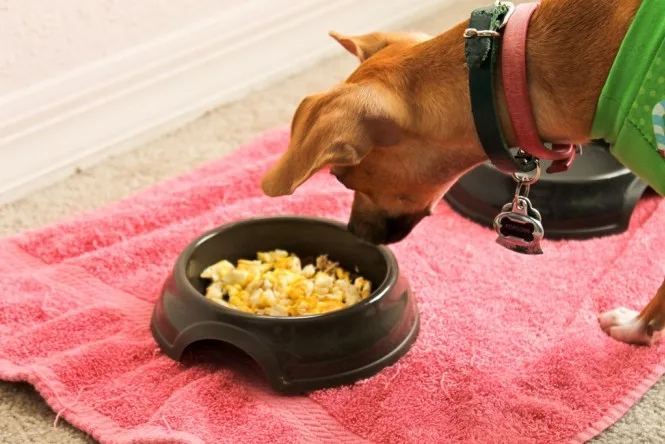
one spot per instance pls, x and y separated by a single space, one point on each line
276 284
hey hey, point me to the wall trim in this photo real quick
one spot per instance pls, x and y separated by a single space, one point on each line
78 119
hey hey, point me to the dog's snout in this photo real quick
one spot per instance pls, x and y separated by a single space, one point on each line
384 230
397 228
369 231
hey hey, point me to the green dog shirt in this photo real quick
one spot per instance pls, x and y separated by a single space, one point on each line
631 110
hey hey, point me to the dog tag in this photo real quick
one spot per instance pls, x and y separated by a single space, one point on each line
519 227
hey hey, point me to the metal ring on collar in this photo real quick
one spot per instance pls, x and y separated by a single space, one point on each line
521 178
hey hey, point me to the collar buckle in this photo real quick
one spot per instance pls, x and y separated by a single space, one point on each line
507 15
493 32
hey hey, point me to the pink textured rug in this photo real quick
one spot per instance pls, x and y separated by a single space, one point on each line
502 357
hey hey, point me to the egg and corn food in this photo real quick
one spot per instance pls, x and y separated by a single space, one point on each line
277 284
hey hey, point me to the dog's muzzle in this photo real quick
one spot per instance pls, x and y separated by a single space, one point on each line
384 230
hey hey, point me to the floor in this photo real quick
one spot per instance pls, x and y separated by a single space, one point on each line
24 417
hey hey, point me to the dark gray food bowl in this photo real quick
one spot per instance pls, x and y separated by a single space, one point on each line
596 197
296 354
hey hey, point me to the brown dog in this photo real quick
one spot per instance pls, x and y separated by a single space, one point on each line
403 118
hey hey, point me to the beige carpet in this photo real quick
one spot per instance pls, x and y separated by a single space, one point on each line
24 417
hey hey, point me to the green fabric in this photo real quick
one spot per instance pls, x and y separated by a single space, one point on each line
630 111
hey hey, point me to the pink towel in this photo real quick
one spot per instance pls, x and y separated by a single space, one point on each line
509 351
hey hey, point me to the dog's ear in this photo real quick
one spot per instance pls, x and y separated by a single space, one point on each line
357 45
366 45
334 129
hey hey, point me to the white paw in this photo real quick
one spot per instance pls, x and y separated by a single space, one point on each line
623 325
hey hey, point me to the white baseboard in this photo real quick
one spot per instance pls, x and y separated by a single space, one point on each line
81 118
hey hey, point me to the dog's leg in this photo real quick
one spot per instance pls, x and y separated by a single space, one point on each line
629 326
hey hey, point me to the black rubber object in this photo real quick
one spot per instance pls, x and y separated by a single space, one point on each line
596 197
296 354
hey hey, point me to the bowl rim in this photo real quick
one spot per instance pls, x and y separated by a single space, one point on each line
383 289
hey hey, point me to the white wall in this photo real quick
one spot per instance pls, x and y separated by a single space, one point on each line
42 39
83 79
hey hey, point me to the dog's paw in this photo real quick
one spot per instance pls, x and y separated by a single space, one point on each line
623 325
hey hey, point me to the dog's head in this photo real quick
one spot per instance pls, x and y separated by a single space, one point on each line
363 131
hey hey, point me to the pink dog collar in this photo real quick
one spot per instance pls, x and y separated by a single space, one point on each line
513 65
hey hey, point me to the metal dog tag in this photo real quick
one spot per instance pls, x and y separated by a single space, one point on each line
519 227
